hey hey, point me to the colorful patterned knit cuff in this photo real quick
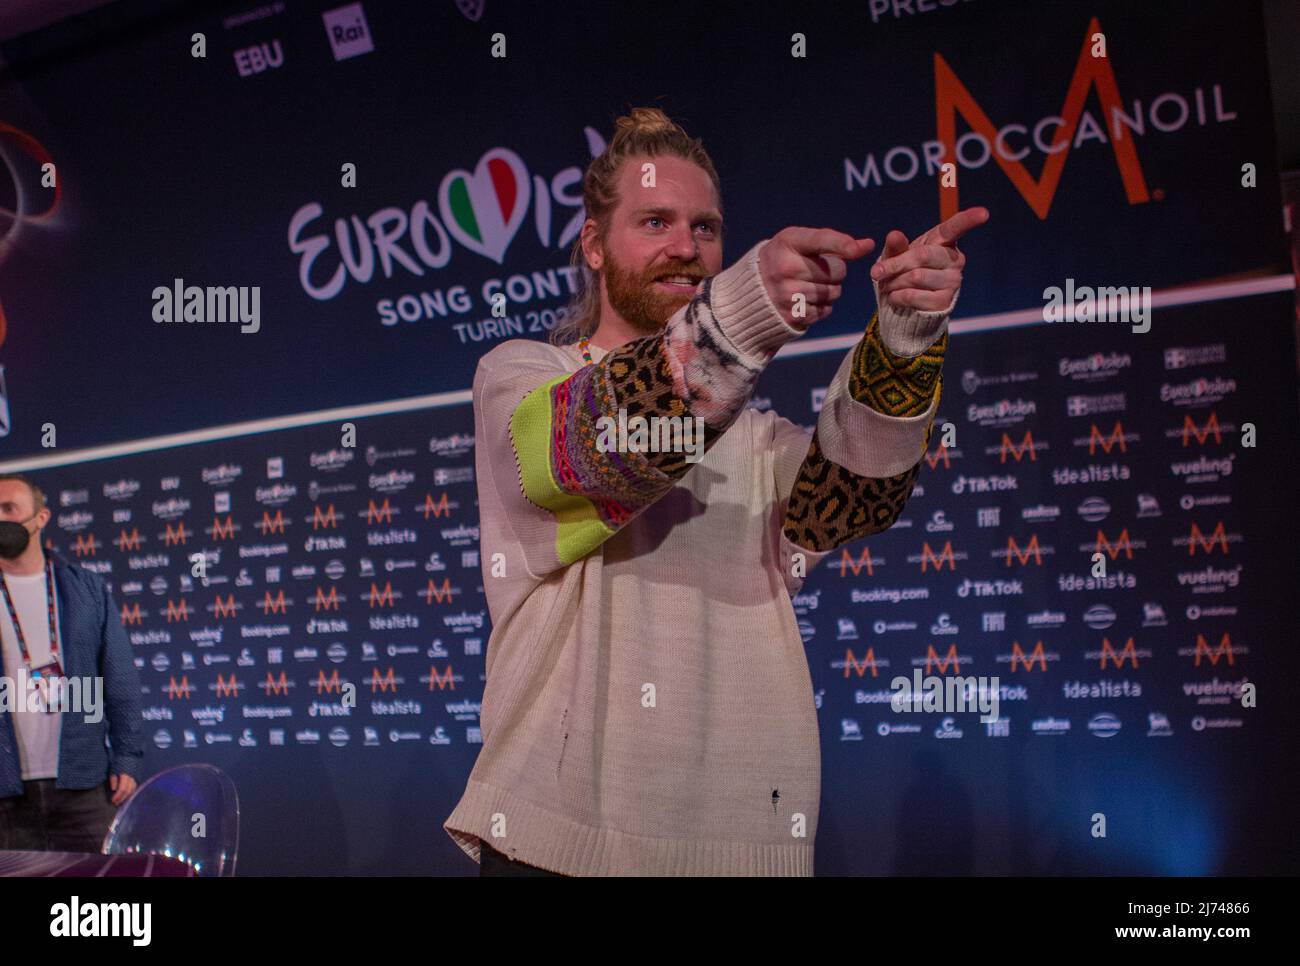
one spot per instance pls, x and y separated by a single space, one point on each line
892 384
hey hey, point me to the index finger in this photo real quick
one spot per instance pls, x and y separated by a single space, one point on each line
815 241
949 231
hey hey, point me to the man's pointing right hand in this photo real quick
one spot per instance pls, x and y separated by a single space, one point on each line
808 262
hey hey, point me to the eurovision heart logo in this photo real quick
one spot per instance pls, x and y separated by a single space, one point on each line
483 210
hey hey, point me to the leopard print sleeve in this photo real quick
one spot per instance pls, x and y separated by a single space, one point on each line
700 371
831 505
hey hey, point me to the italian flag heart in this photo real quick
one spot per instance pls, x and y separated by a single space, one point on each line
483 210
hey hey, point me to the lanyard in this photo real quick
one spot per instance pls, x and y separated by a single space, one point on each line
18 628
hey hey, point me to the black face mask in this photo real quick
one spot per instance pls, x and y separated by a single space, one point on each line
14 538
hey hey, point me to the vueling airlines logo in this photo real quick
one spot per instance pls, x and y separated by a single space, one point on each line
1054 136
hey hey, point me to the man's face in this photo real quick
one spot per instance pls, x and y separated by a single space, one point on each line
16 504
672 229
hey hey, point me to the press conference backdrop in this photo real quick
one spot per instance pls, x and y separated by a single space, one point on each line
331 565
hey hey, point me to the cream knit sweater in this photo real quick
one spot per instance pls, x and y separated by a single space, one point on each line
648 707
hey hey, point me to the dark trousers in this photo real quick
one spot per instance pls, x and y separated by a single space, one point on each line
49 819
492 862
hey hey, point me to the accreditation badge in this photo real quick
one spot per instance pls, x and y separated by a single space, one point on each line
43 677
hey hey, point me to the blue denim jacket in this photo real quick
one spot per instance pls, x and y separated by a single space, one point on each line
92 643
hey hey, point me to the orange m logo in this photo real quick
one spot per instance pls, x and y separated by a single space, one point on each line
868 661
131 613
1211 426
439 509
1018 656
940 453
948 660
864 560
272 686
1217 536
177 613
270 525
951 97
1026 443
444 680
327 518
383 512
132 542
226 688
326 602
271 605
1095 439
324 684
1122 543
386 683
1129 653
1224 648
441 594
1031 550
927 556
179 535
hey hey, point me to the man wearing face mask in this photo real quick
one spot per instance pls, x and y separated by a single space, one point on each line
64 766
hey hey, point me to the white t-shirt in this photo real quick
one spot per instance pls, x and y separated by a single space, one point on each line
37 733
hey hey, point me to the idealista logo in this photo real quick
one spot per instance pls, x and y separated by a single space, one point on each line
133 919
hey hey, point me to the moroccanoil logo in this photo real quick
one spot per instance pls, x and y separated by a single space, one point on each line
1031 551
85 545
1202 433
868 662
177 612
324 601
272 605
177 536
326 519
1019 659
1223 650
938 454
442 594
439 509
222 531
847 562
443 681
1026 444
270 524
327 685
131 614
126 542
274 685
383 512
1053 136
1117 658
949 660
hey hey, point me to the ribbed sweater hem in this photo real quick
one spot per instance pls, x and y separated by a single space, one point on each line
548 840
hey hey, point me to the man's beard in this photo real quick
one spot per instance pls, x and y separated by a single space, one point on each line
634 296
